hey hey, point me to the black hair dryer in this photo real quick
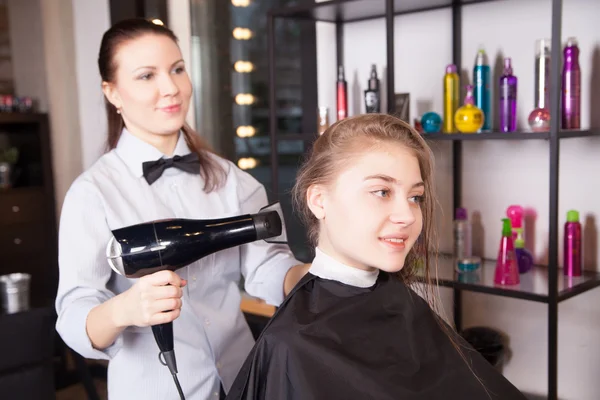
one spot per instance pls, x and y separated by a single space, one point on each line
142 249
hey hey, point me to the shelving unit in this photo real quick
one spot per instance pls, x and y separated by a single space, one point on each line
28 236
545 285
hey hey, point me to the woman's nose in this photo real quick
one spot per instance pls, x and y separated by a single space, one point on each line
403 213
168 87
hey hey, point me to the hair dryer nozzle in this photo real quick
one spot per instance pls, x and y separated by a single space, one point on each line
269 224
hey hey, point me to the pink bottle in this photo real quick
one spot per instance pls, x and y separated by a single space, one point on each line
515 213
507 269
572 243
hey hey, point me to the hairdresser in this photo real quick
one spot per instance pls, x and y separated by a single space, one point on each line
103 315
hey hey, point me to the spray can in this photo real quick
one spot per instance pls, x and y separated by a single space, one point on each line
571 86
542 73
507 110
482 88
572 245
451 97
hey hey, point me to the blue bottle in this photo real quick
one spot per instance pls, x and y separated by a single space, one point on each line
482 88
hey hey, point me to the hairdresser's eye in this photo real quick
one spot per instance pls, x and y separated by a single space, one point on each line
146 77
179 70
417 199
382 193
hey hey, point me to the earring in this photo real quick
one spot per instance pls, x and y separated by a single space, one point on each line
118 111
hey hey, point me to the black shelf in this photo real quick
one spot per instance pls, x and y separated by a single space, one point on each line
362 10
21 118
521 135
544 284
533 286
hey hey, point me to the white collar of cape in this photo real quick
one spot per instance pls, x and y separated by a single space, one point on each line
326 267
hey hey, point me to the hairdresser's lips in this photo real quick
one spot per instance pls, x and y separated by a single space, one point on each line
173 109
396 242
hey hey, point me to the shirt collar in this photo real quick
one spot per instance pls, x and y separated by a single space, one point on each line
134 151
326 267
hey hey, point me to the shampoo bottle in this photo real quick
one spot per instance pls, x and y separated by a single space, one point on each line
507 270
572 245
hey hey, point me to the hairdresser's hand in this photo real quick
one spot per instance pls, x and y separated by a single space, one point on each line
153 299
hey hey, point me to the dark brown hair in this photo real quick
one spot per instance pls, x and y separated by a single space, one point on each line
210 170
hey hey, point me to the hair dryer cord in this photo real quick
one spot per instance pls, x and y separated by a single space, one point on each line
168 359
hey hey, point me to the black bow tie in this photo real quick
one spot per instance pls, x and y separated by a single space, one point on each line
154 169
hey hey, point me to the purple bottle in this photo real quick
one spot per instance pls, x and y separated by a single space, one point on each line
508 99
571 86
572 245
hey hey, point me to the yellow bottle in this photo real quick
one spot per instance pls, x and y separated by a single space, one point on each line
451 97
469 118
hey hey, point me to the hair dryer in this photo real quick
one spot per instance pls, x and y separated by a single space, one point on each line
142 249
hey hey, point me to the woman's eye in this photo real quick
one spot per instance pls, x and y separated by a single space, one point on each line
145 77
179 70
417 199
382 193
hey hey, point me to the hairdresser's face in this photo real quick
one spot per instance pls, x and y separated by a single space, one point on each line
152 88
372 214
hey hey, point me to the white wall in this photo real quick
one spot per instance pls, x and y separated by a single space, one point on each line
90 20
509 28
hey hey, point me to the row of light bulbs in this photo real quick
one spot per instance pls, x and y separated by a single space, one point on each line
244 99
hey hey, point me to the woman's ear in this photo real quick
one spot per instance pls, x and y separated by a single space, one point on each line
112 95
315 197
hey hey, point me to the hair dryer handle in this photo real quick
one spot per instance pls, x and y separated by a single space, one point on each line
163 334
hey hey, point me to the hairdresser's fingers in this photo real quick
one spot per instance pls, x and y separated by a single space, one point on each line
164 317
165 305
162 278
165 292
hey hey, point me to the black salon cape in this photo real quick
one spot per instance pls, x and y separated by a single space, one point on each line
332 341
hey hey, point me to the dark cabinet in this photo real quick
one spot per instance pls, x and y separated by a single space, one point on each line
28 230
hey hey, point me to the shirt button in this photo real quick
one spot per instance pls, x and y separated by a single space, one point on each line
207 321
216 394
219 365
194 277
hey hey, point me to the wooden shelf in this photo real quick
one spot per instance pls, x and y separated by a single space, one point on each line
252 305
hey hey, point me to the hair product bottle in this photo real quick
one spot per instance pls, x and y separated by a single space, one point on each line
451 97
539 118
571 86
469 118
515 214
508 99
372 94
462 235
524 256
507 269
482 91
322 120
572 245
342 94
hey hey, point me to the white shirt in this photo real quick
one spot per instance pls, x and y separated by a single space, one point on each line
326 267
212 338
